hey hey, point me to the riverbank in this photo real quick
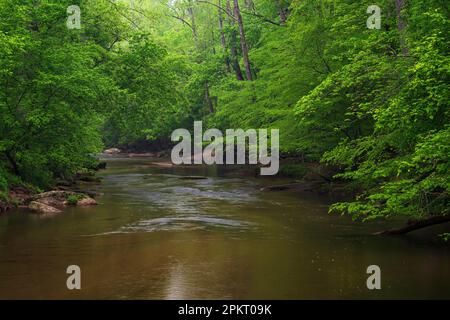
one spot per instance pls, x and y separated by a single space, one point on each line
55 200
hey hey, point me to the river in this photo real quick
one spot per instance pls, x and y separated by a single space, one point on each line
158 236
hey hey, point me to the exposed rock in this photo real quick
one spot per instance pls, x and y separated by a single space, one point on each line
57 200
42 208
54 199
112 151
19 194
85 202
53 202
61 195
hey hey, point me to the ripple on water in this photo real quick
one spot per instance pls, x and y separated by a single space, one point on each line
181 223
153 191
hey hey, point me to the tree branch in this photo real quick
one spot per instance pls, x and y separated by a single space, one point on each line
260 16
416 225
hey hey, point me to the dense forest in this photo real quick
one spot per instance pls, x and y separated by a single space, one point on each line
372 103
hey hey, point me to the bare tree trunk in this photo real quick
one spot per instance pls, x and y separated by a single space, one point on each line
190 11
401 24
233 49
223 41
244 45
208 98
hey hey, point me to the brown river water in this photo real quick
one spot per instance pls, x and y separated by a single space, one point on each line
156 236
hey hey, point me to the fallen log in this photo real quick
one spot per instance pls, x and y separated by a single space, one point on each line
300 186
416 225
193 178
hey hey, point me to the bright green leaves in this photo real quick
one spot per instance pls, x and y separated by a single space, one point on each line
383 118
148 99
53 91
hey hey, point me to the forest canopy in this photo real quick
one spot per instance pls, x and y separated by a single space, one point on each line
371 103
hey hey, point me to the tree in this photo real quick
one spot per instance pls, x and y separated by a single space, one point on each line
244 44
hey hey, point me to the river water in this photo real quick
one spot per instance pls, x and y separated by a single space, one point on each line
158 236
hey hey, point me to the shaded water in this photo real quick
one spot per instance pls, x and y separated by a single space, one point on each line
158 236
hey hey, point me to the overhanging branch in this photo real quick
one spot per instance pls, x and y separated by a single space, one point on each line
416 225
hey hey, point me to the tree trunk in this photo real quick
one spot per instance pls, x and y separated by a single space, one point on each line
401 24
244 45
213 38
208 98
190 11
223 41
13 163
233 49
416 225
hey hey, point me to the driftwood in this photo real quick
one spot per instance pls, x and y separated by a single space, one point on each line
300 186
162 164
193 178
416 225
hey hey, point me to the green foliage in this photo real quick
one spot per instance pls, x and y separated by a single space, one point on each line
48 119
63 91
372 103
445 236
149 103
73 199
387 119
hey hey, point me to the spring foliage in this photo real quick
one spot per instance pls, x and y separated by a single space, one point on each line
372 103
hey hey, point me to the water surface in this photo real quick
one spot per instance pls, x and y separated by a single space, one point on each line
156 236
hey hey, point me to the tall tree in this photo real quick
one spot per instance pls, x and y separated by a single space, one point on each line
233 40
223 41
190 10
244 44
401 24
